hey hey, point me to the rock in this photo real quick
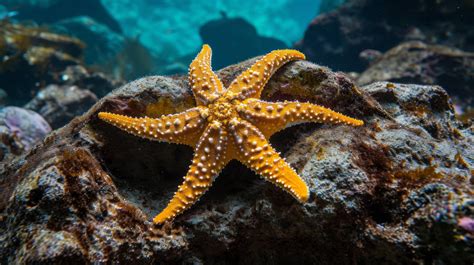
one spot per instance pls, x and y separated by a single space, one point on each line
420 63
50 11
392 191
20 130
60 104
337 38
97 82
103 44
31 57
467 224
370 55
76 91
240 43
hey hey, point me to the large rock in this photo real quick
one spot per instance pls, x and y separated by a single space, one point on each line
336 38
420 63
49 11
103 44
60 104
20 130
32 57
395 191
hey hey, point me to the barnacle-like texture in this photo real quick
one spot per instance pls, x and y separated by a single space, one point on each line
230 124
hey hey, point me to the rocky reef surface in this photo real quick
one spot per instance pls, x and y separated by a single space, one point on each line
395 191
20 130
60 104
32 57
43 85
34 60
50 11
336 38
420 63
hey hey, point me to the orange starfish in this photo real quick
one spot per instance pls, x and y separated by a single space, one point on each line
230 124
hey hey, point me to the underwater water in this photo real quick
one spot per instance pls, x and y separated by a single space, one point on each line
176 23
237 132
168 31
131 39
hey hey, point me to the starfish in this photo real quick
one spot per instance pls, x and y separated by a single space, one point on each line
229 124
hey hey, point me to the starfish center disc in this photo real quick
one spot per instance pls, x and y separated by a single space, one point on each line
222 111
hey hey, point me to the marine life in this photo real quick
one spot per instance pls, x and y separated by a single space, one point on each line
81 187
228 124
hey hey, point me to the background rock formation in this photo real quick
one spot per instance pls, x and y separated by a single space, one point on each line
241 41
336 38
48 11
20 131
419 63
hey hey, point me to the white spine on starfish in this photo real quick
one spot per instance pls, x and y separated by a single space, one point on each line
208 161
272 117
177 128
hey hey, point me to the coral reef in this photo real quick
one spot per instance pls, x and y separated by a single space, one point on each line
396 191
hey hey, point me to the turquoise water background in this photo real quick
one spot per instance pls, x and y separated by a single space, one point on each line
175 23
132 38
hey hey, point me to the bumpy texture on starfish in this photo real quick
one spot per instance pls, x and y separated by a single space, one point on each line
230 124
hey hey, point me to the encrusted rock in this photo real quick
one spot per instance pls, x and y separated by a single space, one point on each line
60 104
97 82
337 38
20 130
30 58
419 63
33 58
397 190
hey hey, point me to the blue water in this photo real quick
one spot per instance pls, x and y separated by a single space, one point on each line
165 23
132 38
128 39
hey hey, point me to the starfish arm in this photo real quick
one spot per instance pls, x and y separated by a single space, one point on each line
180 128
255 152
273 117
204 82
209 159
250 83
